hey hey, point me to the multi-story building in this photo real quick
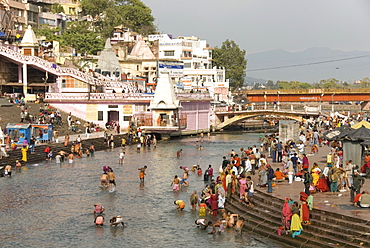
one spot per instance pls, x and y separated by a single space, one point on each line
198 74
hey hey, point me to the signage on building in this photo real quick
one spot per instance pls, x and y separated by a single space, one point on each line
127 109
154 37
92 112
171 43
175 68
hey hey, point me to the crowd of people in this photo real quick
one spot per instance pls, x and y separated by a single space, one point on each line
275 162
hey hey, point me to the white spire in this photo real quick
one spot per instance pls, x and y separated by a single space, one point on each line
164 97
29 38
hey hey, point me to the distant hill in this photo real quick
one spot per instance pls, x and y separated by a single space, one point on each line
345 66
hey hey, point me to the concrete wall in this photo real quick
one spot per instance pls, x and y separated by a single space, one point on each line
288 130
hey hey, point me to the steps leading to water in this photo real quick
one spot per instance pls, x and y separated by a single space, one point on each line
40 155
326 229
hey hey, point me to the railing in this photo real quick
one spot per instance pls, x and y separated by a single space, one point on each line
304 91
147 120
59 71
195 95
98 96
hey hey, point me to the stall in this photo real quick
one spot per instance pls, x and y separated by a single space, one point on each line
42 132
18 132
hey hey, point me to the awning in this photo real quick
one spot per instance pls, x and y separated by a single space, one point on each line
17 125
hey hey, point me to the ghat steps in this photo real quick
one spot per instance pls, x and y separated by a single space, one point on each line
327 228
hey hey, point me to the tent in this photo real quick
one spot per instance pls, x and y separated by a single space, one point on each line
361 124
332 134
359 134
352 143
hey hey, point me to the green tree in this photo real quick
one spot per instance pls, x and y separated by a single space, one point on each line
270 85
108 14
57 8
330 83
49 33
232 58
82 37
365 82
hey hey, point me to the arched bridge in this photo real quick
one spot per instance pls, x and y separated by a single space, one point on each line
231 117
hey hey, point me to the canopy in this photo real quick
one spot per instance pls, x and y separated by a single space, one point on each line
361 124
333 134
359 134
366 142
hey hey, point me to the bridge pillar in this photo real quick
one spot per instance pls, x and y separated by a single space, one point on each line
24 67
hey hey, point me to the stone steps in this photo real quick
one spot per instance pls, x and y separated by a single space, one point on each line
330 232
332 226
40 155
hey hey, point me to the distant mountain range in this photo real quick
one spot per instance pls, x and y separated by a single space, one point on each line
311 65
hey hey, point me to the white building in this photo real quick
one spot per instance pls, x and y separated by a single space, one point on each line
198 73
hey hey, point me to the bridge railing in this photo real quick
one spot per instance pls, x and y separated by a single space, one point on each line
305 91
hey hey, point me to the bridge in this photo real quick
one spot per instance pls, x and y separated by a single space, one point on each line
226 116
306 95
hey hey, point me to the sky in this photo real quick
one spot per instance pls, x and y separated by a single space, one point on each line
264 25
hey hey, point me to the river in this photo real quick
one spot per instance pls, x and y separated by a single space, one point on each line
50 205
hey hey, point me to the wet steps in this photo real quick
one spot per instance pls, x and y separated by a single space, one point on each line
329 229
40 155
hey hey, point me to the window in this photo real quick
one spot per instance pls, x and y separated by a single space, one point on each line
70 82
187 65
127 118
169 53
100 115
139 108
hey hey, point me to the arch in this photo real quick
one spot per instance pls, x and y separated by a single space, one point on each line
249 115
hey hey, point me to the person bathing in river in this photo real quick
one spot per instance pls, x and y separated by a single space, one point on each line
142 173
175 183
116 220
104 180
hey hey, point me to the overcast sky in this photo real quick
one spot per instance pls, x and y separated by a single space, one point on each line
263 25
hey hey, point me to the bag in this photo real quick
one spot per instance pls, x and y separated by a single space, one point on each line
6 172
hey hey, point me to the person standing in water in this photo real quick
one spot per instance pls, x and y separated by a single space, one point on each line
175 183
178 153
142 173
112 180
194 200
121 157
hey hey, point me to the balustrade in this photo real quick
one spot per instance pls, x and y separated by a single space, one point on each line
57 70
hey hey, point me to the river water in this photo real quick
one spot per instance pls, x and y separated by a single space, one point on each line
50 205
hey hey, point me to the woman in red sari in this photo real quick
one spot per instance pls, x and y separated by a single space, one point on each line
214 204
304 209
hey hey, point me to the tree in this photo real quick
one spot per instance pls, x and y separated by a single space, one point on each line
49 33
232 58
108 14
56 8
82 37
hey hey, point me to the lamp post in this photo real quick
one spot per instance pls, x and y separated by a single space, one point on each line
278 103
264 96
332 103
